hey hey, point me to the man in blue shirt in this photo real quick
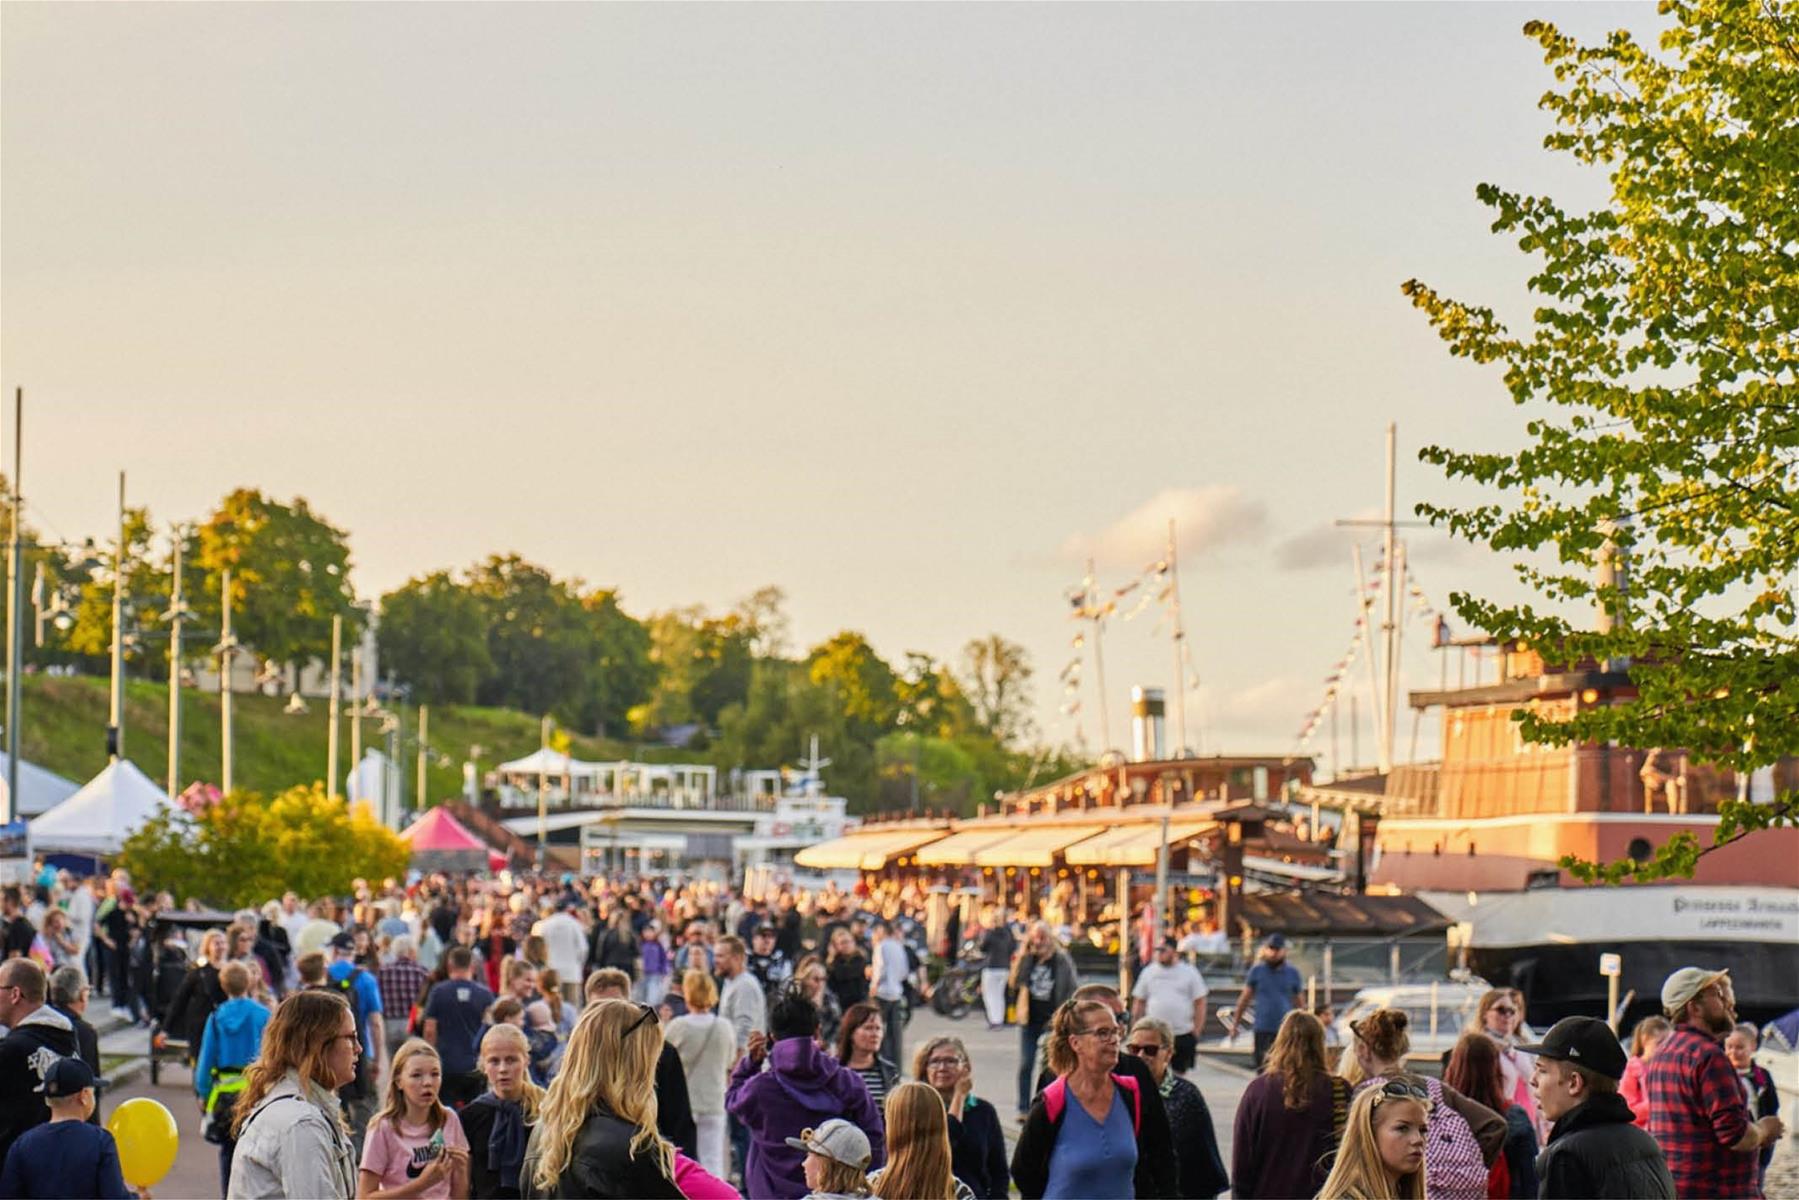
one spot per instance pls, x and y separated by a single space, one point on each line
363 991
67 1156
1273 986
455 1012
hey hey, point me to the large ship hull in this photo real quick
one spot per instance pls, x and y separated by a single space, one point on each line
1547 943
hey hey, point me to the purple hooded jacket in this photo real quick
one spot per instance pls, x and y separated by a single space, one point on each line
802 1088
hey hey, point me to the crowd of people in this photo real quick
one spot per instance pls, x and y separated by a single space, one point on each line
549 1036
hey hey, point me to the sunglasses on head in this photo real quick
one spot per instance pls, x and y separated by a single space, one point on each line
1400 1089
648 1014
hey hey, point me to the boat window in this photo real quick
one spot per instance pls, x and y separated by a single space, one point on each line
1639 849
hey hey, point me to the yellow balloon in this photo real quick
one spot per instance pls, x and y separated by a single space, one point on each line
147 1138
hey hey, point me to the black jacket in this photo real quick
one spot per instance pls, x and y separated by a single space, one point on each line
977 1147
199 993
601 1167
25 1054
1598 1151
87 1044
674 1109
1156 1167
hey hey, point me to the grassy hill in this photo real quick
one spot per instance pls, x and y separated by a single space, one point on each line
64 729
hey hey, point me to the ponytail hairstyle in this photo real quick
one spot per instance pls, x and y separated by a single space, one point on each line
1058 1051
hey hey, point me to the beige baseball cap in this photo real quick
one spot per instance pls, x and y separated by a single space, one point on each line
1686 983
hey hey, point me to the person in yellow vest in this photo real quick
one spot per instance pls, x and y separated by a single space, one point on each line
230 1042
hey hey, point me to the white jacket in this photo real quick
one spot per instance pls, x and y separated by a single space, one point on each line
293 1147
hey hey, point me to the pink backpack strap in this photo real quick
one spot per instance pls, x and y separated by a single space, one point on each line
1055 1098
1129 1084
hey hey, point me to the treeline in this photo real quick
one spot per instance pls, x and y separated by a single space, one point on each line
507 633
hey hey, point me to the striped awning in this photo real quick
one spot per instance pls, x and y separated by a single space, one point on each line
1034 847
958 849
1132 845
868 850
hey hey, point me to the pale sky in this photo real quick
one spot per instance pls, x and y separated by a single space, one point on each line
907 309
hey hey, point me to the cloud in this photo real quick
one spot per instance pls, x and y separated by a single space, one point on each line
1269 711
1322 546
1206 519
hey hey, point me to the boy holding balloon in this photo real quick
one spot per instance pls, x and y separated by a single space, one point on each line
67 1156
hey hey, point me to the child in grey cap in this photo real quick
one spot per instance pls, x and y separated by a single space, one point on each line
837 1157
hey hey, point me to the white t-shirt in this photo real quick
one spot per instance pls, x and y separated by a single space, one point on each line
891 968
566 941
81 917
1168 993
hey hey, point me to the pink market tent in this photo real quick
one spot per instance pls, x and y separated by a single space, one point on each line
442 843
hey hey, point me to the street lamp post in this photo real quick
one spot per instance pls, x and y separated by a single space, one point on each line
15 618
227 652
337 679
177 614
115 730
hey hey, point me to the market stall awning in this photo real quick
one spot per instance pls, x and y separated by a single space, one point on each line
1035 847
868 850
958 849
1132 845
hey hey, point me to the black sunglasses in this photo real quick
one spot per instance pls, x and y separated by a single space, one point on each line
649 1014
1399 1089
1146 1050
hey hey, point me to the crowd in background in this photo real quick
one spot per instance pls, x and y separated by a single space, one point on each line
540 1035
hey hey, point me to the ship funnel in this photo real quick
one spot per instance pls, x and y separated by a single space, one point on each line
1612 572
1148 727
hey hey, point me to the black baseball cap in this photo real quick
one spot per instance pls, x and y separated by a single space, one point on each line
1584 1041
66 1077
344 941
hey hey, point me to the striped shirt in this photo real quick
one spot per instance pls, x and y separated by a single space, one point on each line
877 1083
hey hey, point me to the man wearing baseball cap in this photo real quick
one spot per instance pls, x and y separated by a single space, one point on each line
1595 1148
1697 1111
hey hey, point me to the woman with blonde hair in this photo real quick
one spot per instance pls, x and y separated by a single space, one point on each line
1382 1156
707 1045
415 1146
596 1131
918 1153
499 1120
292 1140
1286 1122
1466 1137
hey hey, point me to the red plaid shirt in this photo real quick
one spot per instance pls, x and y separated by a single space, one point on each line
401 982
1697 1113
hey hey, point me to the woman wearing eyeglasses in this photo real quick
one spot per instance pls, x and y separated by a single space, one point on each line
596 1128
1189 1119
977 1144
292 1139
1383 1151
1466 1137
1085 1134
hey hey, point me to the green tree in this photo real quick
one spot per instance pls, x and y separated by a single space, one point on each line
243 850
290 574
434 639
775 722
537 637
996 677
620 675
866 687
1661 372
702 667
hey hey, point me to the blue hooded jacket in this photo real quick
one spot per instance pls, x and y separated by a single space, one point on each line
232 1040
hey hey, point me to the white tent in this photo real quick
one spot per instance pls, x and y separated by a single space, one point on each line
39 790
97 819
543 762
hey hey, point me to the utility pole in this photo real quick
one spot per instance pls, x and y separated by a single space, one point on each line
227 652
1099 663
424 733
15 616
115 729
1355 733
177 614
337 682
1180 650
355 792
543 783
